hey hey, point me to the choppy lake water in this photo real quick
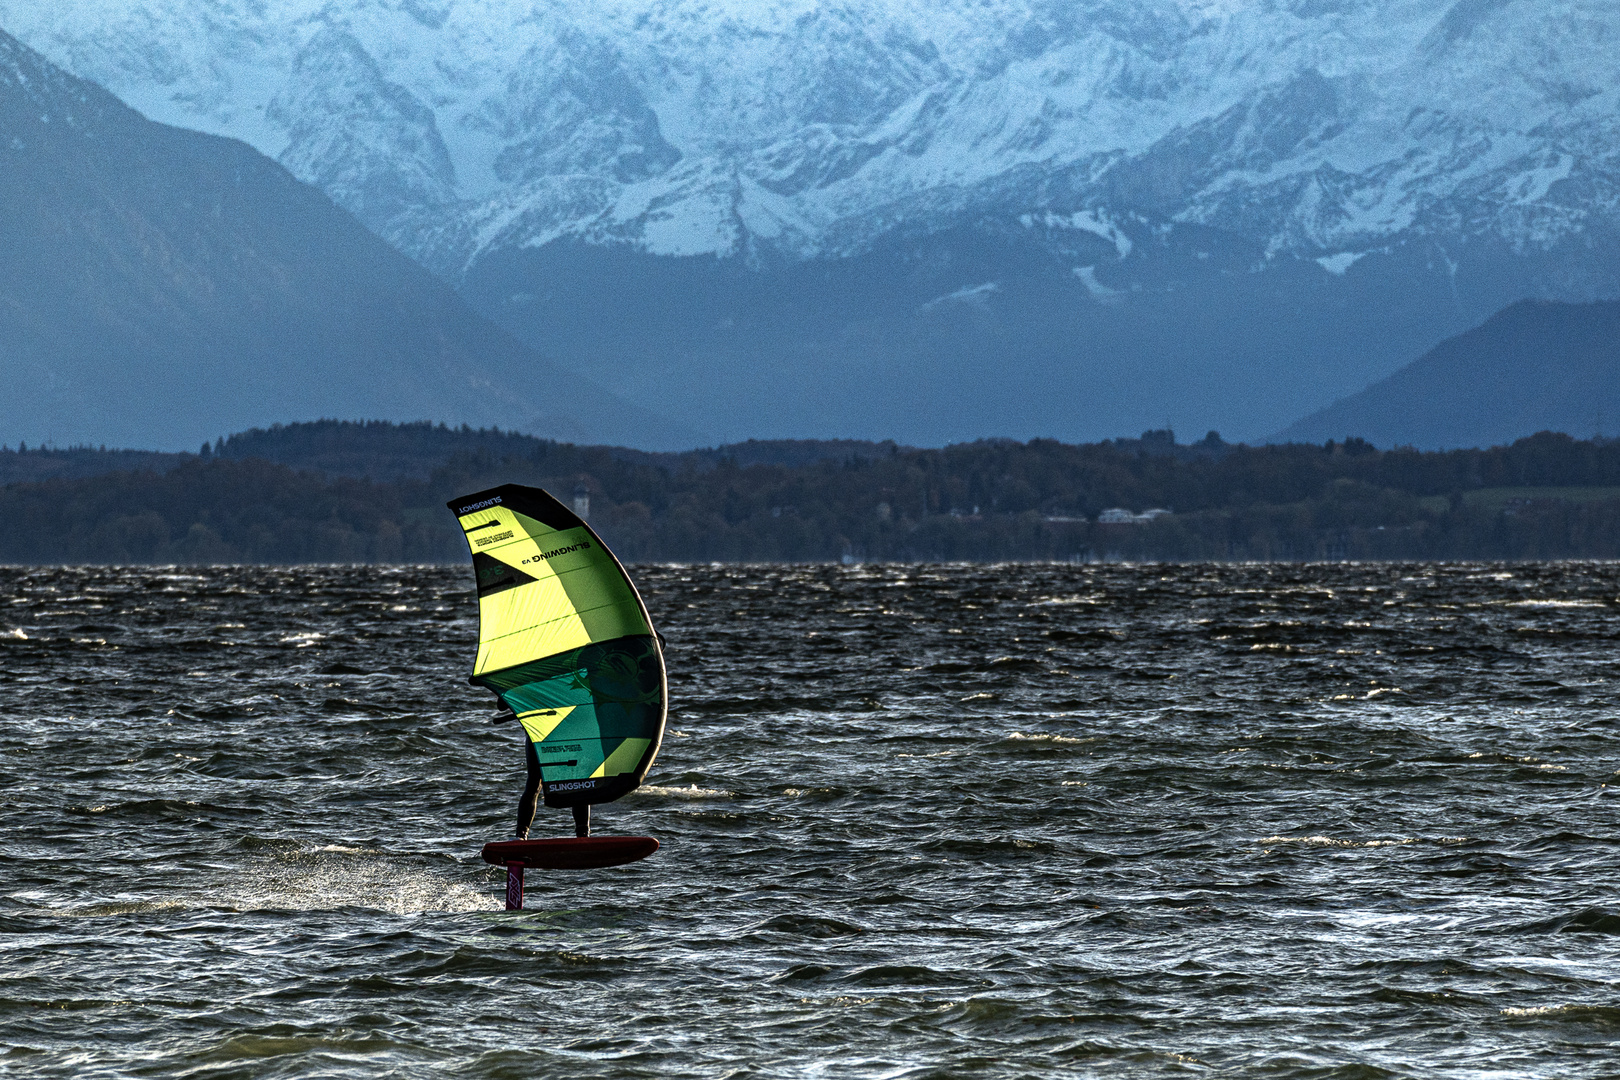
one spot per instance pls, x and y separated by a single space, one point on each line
918 821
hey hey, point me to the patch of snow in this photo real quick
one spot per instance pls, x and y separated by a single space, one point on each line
1338 264
1084 221
1098 291
1533 185
975 295
694 226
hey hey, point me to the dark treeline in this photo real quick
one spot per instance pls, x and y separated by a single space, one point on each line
32 464
1546 496
386 451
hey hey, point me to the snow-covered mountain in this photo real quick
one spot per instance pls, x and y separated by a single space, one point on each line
1453 156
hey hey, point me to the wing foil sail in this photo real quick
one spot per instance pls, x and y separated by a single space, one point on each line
565 642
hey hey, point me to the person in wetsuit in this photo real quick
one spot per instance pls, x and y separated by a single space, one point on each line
531 797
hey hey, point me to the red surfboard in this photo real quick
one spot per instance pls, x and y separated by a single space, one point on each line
571 852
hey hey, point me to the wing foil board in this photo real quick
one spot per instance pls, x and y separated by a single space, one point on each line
571 852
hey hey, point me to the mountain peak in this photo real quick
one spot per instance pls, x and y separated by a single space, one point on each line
38 93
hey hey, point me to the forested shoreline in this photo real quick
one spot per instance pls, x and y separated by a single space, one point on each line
349 492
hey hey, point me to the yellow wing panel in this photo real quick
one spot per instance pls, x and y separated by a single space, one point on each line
540 725
535 619
544 617
517 625
624 759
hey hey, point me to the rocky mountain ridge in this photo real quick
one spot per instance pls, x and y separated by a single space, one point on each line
1321 127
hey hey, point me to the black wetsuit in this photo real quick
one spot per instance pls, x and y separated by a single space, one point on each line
531 798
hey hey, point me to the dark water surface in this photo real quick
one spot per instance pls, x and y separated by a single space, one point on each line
949 821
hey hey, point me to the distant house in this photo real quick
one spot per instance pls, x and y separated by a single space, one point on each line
1120 516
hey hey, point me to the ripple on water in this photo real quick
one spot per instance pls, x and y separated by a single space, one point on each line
1298 821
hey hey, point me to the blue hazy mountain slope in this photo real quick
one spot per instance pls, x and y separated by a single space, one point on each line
1536 366
992 327
159 286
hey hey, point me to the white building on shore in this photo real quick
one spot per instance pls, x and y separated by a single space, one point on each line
1120 516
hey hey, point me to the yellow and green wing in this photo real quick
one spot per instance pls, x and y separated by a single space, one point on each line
565 642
